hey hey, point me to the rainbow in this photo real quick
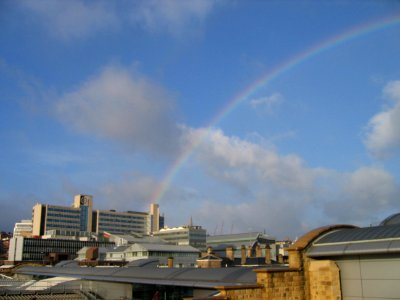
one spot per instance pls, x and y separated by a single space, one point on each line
299 58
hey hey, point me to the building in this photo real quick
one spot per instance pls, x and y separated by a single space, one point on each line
178 256
331 262
81 217
121 222
23 228
256 244
132 238
47 250
194 236
47 217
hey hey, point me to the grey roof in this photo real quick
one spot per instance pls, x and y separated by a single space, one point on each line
391 220
136 238
117 249
168 247
190 277
357 241
237 237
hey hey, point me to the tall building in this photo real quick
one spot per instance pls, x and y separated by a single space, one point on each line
76 218
121 222
80 217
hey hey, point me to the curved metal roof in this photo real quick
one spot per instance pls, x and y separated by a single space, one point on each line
391 220
357 241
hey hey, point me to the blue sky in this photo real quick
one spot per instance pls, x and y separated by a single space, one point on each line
106 98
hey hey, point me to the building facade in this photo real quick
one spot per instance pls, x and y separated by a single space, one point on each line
47 250
188 235
47 217
80 217
23 228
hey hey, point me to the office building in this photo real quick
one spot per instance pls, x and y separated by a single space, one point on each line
81 217
47 217
48 250
189 235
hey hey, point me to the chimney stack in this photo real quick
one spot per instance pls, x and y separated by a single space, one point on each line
170 262
229 253
243 255
267 254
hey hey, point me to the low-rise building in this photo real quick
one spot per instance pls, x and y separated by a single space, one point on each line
179 256
23 228
194 236
47 250
250 245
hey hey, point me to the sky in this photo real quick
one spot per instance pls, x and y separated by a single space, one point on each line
270 116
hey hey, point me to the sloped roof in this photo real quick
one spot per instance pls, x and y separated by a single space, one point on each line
162 248
190 277
237 237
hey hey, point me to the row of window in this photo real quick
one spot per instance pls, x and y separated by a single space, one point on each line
63 216
102 226
105 215
63 210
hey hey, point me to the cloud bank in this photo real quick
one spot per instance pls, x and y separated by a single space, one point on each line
123 107
279 193
74 19
383 136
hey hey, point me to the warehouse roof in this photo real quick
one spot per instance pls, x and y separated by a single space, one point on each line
190 277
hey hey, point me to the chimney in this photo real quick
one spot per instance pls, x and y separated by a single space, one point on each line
258 251
170 262
267 254
243 255
229 253
280 258
249 251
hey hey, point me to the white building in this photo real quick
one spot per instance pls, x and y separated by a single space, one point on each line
188 235
23 228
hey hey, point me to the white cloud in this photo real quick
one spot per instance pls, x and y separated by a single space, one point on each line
172 16
262 189
267 104
383 136
68 19
71 19
123 107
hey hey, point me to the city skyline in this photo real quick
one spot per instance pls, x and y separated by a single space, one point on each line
244 115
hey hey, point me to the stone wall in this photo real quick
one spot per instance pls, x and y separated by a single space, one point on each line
280 284
324 280
245 292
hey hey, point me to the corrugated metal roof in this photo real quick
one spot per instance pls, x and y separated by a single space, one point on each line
361 234
357 241
192 277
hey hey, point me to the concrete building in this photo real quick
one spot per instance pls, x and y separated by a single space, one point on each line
194 236
47 250
81 217
76 218
23 228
